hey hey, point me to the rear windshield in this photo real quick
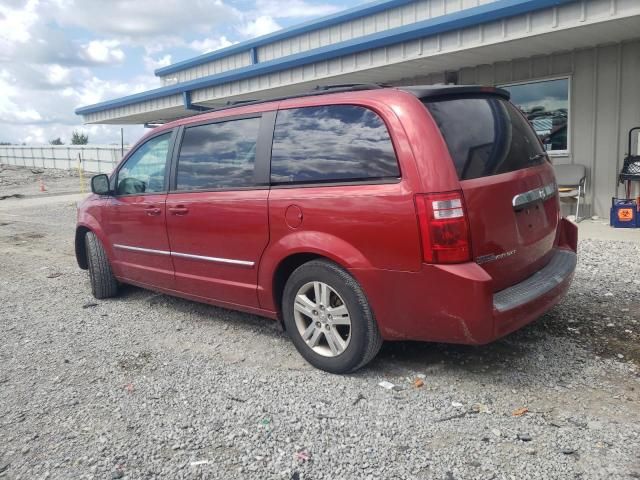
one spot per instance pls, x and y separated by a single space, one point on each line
486 135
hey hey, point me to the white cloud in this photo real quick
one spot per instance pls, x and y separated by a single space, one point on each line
95 89
104 51
15 23
151 64
58 75
294 9
55 54
262 25
210 44
144 18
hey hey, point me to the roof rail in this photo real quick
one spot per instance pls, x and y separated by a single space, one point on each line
421 91
350 87
318 90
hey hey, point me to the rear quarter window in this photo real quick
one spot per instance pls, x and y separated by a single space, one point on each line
486 136
331 144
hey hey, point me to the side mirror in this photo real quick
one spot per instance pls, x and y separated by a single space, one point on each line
100 184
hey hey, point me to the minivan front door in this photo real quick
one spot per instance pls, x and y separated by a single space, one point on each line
217 214
135 222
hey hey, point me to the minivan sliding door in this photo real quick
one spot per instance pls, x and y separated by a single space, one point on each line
217 215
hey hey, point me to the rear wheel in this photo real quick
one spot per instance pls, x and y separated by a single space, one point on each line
103 283
329 319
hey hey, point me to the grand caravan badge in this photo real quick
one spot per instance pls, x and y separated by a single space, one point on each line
493 257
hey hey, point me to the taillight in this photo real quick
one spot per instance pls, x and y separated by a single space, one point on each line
443 227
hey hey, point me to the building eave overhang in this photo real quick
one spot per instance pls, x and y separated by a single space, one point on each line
498 10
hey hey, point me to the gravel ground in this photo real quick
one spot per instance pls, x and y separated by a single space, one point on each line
148 386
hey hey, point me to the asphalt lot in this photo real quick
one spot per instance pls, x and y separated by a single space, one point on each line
148 386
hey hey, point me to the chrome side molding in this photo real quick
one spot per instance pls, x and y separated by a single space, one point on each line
536 195
141 250
228 261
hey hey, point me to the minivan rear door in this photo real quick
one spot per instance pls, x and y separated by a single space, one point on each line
507 183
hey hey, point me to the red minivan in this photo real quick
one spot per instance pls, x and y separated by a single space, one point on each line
353 214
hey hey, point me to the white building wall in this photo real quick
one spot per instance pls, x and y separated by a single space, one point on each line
392 18
439 52
409 57
225 64
157 105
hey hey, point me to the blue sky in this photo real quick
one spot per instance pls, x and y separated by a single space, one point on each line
56 55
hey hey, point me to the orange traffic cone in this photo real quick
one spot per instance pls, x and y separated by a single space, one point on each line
42 187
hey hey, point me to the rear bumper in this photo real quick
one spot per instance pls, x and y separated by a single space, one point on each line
455 303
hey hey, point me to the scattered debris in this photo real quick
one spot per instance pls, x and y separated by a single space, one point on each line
524 437
496 432
5 467
54 275
320 416
568 451
37 170
302 456
89 305
387 385
480 408
518 412
358 399
176 446
129 387
418 383
117 474
236 399
199 462
456 404
453 417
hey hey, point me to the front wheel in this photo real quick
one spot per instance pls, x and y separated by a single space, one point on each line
103 283
329 319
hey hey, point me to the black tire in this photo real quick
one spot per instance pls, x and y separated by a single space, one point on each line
103 283
365 341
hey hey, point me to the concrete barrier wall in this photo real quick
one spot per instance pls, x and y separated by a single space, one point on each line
93 158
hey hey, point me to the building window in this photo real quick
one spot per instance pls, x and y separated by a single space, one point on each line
333 143
546 105
218 155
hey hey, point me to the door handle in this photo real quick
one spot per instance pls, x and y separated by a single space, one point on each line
179 210
152 211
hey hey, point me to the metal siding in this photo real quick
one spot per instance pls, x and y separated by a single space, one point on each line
394 17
